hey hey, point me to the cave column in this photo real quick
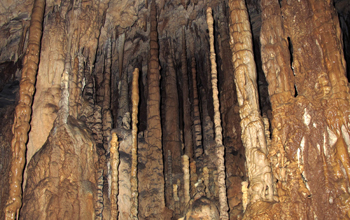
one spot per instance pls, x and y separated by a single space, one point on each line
197 127
253 132
133 179
220 149
23 111
153 203
114 151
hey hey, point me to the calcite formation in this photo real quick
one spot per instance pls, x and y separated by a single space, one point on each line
253 132
133 179
63 170
217 123
187 109
23 111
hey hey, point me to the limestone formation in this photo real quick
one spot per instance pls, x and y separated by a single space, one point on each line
135 115
301 79
186 100
133 179
171 135
114 151
63 170
152 193
197 128
220 151
107 122
186 170
253 132
23 111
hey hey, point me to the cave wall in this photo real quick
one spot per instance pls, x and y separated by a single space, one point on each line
281 87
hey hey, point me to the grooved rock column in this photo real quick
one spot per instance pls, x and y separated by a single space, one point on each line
171 136
151 197
23 111
253 132
220 149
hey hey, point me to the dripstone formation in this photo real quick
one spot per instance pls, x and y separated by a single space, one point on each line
184 109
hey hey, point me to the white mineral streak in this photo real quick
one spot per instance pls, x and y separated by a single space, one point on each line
186 169
245 195
206 181
135 103
114 153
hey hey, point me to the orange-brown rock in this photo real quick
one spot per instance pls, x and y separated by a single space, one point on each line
309 127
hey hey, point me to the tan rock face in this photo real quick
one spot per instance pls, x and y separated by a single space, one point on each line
63 171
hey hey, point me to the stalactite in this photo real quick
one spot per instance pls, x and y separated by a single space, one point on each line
121 43
74 89
135 103
114 155
153 204
253 135
106 105
22 117
123 112
197 127
186 101
220 151
186 170
123 119
171 130
63 104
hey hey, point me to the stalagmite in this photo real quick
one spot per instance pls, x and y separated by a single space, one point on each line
197 127
193 179
253 132
23 111
186 170
220 151
99 196
133 179
114 155
186 101
206 181
152 204
245 200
